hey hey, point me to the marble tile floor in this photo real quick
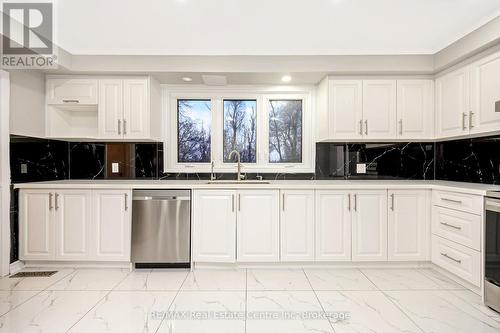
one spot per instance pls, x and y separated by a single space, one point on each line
245 300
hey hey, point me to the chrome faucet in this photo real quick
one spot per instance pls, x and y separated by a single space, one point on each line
239 162
212 175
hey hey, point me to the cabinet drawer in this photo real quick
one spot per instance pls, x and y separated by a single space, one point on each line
71 91
459 201
458 259
460 227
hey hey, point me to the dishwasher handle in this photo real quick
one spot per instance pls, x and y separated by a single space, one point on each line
160 198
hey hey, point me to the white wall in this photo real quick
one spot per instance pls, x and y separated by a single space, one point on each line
27 103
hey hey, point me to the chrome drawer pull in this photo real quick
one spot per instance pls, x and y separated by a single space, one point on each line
451 225
451 258
71 101
50 201
451 200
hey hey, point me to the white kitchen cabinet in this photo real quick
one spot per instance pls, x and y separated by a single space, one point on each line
214 226
345 108
66 91
72 224
297 225
136 114
453 103
369 225
110 109
408 225
111 225
415 109
379 109
257 226
36 225
333 225
485 80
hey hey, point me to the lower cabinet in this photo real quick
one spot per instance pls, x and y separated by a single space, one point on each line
297 225
409 225
333 225
75 224
214 226
257 226
369 225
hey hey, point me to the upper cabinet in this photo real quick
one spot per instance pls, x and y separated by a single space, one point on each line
375 109
104 109
466 99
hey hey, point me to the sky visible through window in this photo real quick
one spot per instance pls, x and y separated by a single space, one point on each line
194 131
285 131
240 129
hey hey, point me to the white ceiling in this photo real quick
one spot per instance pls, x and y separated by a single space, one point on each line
266 27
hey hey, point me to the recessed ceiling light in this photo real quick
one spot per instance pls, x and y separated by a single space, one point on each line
187 79
286 78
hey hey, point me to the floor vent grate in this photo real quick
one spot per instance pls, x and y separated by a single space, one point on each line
33 274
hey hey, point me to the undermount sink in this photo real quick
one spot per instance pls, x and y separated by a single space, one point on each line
253 181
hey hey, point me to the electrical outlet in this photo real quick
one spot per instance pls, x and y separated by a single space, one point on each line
361 168
115 168
24 168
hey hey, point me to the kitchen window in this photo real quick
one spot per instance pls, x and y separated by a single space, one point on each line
285 131
194 128
270 126
240 129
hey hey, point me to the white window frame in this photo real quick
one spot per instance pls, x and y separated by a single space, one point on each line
262 94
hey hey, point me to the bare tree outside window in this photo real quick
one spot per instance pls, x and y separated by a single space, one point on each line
194 131
285 131
240 129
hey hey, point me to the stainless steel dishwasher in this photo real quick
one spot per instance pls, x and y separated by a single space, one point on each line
161 228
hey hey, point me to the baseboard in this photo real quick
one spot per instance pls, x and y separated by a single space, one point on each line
16 266
77 264
460 281
313 265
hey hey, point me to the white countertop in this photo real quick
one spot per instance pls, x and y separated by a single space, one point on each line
472 188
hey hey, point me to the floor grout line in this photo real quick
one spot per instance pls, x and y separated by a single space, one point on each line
402 311
172 302
317 298
36 294
99 301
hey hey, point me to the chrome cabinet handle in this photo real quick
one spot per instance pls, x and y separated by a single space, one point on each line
451 200
119 127
471 114
70 101
283 201
124 127
366 127
392 201
401 127
50 201
126 201
361 127
451 226
355 202
239 202
464 126
349 201
451 258
232 203
56 197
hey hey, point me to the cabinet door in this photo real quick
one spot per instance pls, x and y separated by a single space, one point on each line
485 80
408 227
71 91
135 109
36 225
297 225
214 226
110 109
452 103
379 109
111 225
345 109
415 106
369 226
73 222
258 225
333 225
